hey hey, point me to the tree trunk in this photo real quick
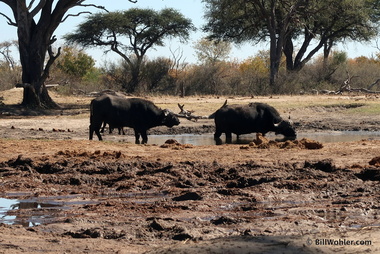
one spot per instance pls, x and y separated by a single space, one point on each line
276 45
288 52
34 42
327 46
135 69
35 91
135 78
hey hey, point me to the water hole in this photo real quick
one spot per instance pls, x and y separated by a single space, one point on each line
208 139
46 210
31 212
35 211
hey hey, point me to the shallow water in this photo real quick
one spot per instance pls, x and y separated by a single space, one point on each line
40 213
43 211
46 210
208 139
36 211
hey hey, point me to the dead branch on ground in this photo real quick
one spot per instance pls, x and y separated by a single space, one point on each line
346 87
188 114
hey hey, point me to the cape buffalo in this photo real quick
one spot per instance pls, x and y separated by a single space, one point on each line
136 113
254 117
110 129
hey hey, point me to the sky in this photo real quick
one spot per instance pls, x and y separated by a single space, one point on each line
192 9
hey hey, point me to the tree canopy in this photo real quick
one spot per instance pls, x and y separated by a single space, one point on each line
211 51
131 34
74 62
36 22
311 23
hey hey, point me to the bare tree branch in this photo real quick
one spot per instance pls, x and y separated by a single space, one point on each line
85 12
377 45
37 9
52 40
347 83
10 22
95 6
177 58
188 114
31 4
75 15
178 65
373 84
50 62
346 87
6 53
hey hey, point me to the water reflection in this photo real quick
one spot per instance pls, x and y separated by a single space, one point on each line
45 210
27 213
208 139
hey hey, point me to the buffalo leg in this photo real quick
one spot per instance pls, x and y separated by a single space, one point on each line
137 137
98 134
91 132
121 131
104 126
217 134
144 137
217 138
228 137
96 129
218 141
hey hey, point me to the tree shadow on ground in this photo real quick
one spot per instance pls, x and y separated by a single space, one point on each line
15 110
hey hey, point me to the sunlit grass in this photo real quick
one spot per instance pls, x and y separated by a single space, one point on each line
208 104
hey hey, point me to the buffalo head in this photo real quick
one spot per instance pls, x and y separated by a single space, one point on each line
169 119
285 128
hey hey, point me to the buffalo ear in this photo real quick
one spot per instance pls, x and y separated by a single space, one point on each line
165 113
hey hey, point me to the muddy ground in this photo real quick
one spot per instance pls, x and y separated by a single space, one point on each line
81 196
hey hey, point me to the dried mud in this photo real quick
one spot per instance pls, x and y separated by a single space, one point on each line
116 197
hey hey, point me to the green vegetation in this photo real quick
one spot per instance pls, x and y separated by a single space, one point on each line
311 67
142 29
313 24
76 73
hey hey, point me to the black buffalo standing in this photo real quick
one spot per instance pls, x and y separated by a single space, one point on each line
254 117
136 113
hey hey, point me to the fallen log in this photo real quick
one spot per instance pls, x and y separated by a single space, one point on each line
188 114
346 87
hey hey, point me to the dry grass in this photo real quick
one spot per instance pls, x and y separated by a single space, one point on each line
204 105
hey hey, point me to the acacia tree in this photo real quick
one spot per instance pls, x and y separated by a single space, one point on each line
286 21
36 22
256 20
131 34
211 51
328 22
